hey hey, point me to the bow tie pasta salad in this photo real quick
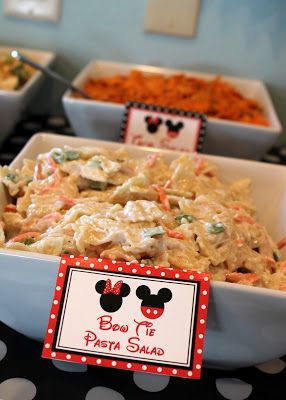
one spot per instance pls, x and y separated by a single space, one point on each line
99 203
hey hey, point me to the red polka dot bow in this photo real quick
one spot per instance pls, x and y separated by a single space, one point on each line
115 289
153 120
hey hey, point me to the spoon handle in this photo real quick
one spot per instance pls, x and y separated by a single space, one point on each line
53 75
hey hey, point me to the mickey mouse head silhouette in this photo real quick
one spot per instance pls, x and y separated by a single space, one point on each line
173 128
153 123
152 305
111 297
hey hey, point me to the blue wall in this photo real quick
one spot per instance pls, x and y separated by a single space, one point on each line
245 38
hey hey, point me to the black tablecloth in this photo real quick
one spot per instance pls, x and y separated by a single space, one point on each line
24 375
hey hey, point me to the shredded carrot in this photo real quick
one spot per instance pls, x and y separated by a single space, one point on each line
10 208
55 184
174 234
281 243
270 261
234 206
163 198
66 200
282 286
37 171
235 277
215 98
243 218
240 242
52 164
24 236
199 164
151 160
54 216
168 184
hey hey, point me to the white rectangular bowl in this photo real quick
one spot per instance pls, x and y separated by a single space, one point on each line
245 326
12 103
101 120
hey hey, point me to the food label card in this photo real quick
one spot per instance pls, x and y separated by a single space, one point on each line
155 126
129 316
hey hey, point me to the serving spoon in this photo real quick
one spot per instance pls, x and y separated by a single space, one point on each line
47 71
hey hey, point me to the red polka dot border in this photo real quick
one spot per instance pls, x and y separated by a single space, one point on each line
132 268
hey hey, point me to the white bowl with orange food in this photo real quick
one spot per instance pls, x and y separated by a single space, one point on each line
254 131
18 83
245 322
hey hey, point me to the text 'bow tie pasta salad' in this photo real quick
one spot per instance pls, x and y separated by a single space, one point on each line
99 203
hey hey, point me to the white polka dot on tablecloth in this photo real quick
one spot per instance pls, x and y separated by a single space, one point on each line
151 382
103 393
69 366
233 389
17 389
272 367
3 350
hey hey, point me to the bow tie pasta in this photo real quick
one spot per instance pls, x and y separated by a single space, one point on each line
99 203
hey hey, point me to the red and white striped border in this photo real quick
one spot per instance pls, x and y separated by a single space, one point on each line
132 269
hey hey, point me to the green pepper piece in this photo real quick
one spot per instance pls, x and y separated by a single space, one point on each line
215 228
98 185
147 261
17 69
66 252
28 241
188 217
72 155
58 157
12 177
95 162
275 256
153 232
23 76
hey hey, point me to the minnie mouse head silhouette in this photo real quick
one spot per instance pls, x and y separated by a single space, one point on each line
111 297
153 123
